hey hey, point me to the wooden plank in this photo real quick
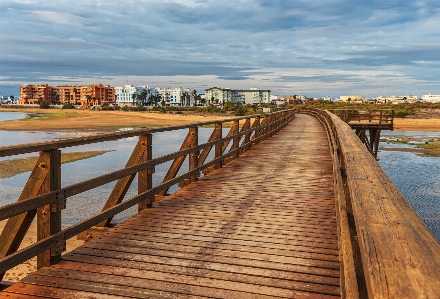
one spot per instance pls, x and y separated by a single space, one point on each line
194 254
138 240
54 287
136 269
172 283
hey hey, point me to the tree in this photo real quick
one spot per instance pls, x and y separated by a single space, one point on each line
12 97
183 98
88 99
134 97
143 97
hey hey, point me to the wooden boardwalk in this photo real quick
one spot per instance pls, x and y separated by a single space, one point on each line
263 226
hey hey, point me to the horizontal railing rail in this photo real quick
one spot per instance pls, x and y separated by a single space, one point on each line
43 195
385 248
375 116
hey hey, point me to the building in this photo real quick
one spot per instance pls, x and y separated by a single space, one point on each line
396 99
131 95
96 95
352 98
431 98
217 96
34 94
68 94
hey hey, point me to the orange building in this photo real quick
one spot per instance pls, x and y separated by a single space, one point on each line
96 95
68 94
86 95
34 94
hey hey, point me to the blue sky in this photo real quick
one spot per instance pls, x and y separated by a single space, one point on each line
310 47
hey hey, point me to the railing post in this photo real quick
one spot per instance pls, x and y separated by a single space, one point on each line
145 177
247 137
17 226
218 147
194 156
49 216
256 125
236 140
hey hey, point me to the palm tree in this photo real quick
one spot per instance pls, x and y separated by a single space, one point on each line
183 98
133 97
195 96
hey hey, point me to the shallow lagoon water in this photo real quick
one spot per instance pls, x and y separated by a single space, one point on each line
88 203
417 178
4 116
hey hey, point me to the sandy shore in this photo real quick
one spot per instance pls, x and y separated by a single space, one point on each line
21 271
51 119
48 119
417 124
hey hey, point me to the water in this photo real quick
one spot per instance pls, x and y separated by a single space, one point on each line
11 116
91 202
416 177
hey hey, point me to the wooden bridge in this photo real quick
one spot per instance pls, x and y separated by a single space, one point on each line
288 206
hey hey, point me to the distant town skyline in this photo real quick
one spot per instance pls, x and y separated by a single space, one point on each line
309 47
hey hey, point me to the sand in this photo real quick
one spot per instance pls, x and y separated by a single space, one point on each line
417 124
51 119
21 271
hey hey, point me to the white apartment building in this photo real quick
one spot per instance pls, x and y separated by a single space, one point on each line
217 96
124 95
431 98
173 96
396 99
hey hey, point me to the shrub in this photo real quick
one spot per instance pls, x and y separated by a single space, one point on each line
403 112
68 106
44 104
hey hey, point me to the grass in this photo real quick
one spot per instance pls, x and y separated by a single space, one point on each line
431 149
10 168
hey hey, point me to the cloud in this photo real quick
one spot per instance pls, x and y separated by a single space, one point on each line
228 43
59 18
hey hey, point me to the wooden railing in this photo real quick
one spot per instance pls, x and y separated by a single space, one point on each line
43 195
383 117
385 248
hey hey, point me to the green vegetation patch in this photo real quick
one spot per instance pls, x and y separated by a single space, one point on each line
9 168
431 148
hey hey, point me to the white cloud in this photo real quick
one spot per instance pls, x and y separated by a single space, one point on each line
59 17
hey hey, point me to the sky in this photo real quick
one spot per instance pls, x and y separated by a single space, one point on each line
310 47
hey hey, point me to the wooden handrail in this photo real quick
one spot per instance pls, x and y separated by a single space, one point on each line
394 254
54 198
18 149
